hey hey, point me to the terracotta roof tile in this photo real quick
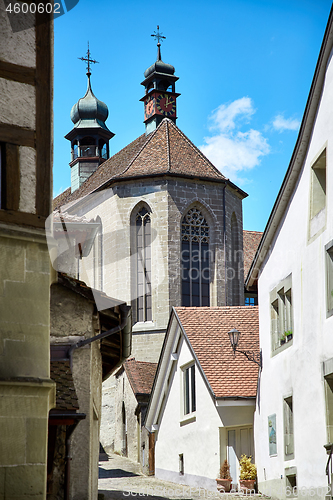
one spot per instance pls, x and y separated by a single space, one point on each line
251 240
141 375
166 151
207 330
66 398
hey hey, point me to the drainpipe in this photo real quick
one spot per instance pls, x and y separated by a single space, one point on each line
125 309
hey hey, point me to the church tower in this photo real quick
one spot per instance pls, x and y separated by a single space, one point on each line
160 96
170 222
90 136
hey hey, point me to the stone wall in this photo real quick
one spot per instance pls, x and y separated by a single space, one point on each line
125 406
168 200
72 319
26 389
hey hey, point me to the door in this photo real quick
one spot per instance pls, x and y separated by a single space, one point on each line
240 442
232 457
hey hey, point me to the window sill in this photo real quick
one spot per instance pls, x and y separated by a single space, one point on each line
191 417
282 348
143 326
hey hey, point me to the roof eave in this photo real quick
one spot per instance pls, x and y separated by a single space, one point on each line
114 180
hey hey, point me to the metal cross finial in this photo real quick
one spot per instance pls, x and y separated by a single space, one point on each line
158 36
88 60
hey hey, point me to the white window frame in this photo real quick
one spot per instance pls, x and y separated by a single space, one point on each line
329 278
317 197
281 315
288 425
188 370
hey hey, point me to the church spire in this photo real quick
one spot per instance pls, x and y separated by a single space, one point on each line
90 135
160 96
158 36
88 61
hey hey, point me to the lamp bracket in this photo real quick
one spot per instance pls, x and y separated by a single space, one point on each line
256 357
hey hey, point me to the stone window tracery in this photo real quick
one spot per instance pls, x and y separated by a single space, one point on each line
195 259
143 310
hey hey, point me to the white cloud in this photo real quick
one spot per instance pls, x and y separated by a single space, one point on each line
231 150
224 117
280 123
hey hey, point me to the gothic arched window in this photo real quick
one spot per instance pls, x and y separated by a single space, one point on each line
195 259
142 309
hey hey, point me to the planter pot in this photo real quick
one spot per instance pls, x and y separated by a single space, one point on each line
247 484
224 485
289 337
283 341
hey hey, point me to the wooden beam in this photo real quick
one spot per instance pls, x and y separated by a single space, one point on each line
17 135
17 73
108 343
12 174
22 218
44 117
109 354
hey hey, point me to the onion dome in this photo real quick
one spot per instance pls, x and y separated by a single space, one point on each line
89 111
159 66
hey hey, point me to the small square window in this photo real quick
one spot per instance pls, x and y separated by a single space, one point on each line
291 482
251 300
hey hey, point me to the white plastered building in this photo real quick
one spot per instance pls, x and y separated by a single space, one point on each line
294 268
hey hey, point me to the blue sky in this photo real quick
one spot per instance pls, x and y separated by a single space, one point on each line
245 70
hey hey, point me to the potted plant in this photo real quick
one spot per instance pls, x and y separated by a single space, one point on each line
248 473
283 338
289 335
224 479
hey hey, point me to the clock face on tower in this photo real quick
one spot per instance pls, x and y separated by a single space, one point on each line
149 107
166 104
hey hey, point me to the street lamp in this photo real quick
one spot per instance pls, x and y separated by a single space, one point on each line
256 357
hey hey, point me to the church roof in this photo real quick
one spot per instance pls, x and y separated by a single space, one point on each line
166 151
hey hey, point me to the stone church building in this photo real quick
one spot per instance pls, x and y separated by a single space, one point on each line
170 223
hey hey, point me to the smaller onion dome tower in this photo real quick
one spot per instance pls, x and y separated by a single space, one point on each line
90 136
160 96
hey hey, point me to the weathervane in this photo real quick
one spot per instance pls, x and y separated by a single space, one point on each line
88 60
158 36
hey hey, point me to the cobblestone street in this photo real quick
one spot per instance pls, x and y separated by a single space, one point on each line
119 478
